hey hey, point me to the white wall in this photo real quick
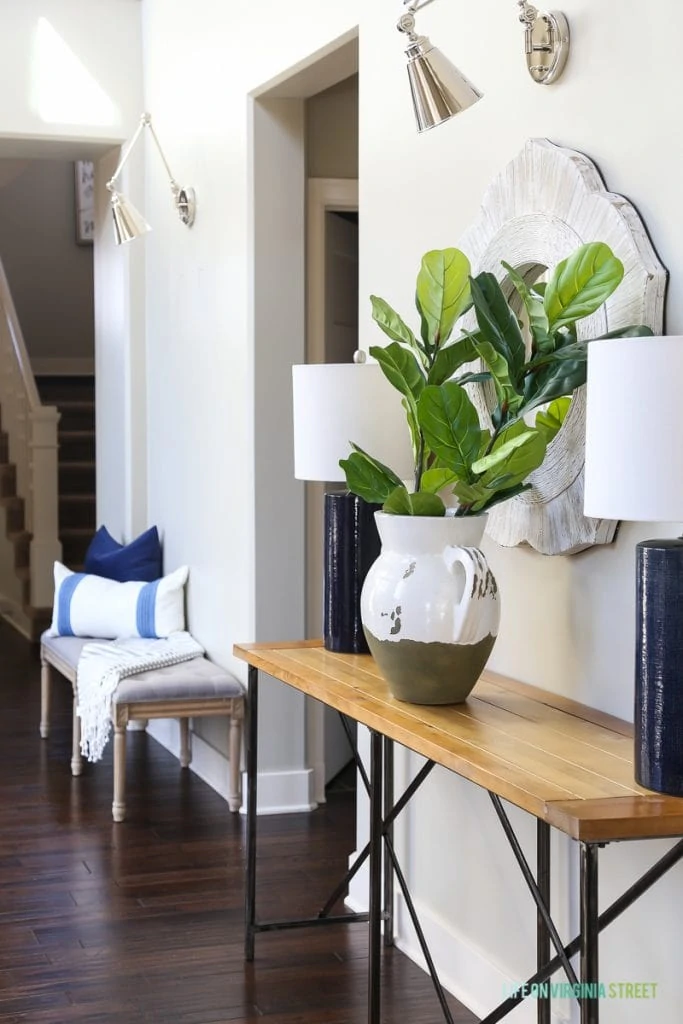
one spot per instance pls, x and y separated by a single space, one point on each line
567 623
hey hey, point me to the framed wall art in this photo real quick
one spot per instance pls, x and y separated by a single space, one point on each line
85 201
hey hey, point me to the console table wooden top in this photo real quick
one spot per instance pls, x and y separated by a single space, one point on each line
565 763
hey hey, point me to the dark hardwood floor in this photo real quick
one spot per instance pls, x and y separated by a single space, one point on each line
143 921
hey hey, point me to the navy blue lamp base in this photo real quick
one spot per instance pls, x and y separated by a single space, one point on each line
659 666
352 544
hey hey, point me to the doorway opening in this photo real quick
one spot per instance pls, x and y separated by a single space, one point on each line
304 128
332 337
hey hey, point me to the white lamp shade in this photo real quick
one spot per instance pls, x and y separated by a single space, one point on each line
339 403
634 429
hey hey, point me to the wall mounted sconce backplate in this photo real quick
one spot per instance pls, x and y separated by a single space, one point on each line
186 205
546 43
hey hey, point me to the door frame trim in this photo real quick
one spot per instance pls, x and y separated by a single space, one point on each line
324 195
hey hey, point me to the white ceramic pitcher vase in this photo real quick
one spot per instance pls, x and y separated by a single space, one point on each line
430 607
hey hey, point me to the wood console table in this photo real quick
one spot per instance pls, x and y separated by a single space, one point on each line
569 766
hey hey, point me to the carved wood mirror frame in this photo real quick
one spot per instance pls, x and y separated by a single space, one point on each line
543 205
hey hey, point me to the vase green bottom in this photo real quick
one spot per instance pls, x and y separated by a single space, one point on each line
430 673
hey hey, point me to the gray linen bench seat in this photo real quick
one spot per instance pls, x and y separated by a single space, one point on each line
191 689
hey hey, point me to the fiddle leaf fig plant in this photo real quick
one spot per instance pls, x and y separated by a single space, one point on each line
472 465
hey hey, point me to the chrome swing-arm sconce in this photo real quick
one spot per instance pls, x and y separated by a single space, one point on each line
129 222
440 90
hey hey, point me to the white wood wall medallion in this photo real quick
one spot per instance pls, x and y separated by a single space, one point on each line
543 205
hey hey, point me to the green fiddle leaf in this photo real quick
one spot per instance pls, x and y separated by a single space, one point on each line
509 398
476 498
402 370
533 303
368 478
581 283
550 420
577 352
393 325
514 454
448 360
562 377
401 503
434 480
485 498
450 426
442 294
474 378
498 324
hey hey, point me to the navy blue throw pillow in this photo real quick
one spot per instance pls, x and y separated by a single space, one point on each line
139 560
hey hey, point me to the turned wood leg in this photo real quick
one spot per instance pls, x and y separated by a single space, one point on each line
185 751
45 681
76 759
118 807
235 790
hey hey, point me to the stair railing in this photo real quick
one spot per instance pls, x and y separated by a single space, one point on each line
31 428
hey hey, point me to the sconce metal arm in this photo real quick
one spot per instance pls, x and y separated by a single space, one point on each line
183 198
145 122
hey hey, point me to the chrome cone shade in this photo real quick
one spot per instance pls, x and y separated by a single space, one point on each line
439 90
128 222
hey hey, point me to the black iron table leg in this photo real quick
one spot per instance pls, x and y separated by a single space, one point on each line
542 932
376 831
252 765
590 929
388 899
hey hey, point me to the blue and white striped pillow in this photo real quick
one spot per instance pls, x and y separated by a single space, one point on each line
92 606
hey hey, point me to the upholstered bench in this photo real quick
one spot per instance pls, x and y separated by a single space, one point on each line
191 689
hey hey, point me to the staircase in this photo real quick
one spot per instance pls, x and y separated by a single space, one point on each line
29 542
74 397
12 512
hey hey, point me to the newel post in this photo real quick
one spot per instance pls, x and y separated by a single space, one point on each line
44 523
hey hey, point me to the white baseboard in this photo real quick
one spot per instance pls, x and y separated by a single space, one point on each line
464 971
278 792
283 792
67 367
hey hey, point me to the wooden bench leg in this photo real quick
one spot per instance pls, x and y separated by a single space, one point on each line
45 685
235 790
185 749
76 759
118 807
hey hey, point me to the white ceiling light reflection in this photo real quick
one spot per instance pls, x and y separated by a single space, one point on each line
62 89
